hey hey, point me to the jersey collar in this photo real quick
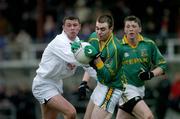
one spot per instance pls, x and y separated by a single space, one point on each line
103 44
125 41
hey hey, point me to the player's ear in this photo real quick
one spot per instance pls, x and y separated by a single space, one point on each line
62 26
79 27
125 31
140 29
112 28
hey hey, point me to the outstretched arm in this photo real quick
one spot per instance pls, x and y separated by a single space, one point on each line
83 88
86 77
158 71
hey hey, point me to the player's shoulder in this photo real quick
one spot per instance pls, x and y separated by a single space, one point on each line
93 37
116 39
58 39
148 40
120 41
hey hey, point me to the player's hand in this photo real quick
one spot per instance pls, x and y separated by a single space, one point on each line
75 46
83 89
146 75
90 51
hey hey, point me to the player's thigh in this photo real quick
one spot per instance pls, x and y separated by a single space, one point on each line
142 111
89 110
44 90
60 104
130 93
99 113
121 114
105 97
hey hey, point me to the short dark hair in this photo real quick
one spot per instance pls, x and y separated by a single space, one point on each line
133 18
71 17
106 18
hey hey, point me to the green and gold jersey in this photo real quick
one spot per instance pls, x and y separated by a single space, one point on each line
143 56
110 54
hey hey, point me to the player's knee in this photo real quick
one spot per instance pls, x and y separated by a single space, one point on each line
128 106
71 114
149 116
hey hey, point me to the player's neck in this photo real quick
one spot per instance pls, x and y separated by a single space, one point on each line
132 41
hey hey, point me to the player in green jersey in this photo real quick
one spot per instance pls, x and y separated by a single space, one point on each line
141 61
106 48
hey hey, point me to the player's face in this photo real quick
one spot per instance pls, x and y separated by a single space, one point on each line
71 28
131 29
103 31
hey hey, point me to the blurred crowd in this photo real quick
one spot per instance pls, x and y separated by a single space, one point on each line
20 20
16 102
158 16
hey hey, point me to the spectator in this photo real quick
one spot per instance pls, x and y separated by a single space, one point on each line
49 28
173 111
82 10
5 105
175 93
161 105
86 30
4 26
23 41
3 44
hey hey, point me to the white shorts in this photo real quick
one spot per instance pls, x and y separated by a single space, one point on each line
131 92
44 89
105 97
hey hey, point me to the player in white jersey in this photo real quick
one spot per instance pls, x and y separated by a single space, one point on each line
57 63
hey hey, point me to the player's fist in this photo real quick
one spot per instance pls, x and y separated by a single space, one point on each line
146 75
83 89
90 51
75 46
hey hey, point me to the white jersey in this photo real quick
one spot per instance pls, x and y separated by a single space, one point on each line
57 59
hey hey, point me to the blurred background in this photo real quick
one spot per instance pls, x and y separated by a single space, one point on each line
27 26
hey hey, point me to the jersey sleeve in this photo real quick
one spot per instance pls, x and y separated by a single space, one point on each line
157 58
107 70
62 49
92 72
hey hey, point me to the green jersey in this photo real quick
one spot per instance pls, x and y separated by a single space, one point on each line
143 56
110 55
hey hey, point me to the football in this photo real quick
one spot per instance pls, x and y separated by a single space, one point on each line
80 55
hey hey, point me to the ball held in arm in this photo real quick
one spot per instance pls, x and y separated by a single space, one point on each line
75 46
79 53
90 51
